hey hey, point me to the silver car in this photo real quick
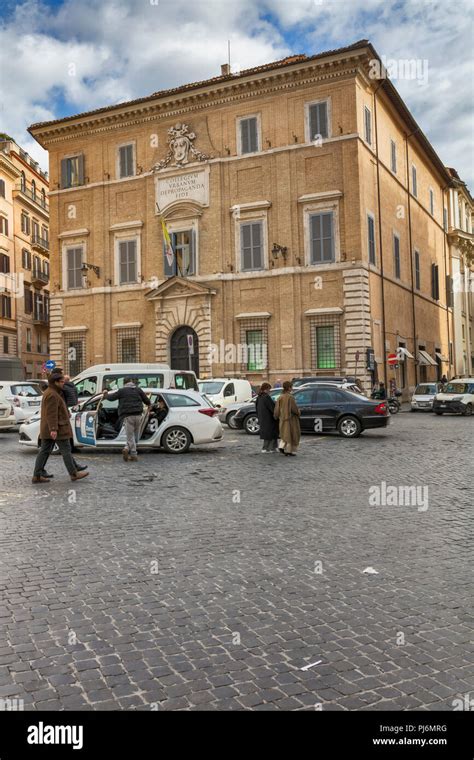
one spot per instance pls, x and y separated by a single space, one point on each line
423 396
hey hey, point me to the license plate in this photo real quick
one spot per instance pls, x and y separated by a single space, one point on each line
34 403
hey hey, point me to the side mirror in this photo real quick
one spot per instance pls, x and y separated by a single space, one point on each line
75 408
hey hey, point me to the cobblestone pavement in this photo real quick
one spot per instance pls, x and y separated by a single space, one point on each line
151 586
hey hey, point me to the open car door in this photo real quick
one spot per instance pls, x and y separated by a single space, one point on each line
85 423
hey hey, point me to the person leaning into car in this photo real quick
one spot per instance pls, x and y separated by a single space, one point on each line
55 429
131 399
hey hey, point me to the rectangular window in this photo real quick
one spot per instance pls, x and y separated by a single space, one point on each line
393 156
445 219
371 237
450 292
414 184
26 259
396 256
127 261
28 339
326 347
435 282
2 188
431 202
74 353
417 271
183 247
5 344
256 348
4 263
72 171
128 346
318 120
251 246
25 224
126 162
249 142
322 238
4 225
74 265
28 300
367 125
6 310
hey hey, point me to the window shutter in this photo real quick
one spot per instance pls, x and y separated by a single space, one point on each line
257 262
64 172
132 260
80 165
192 252
253 135
245 136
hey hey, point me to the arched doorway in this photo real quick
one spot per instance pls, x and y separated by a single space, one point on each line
180 351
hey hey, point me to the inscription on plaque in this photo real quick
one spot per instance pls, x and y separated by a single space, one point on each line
191 186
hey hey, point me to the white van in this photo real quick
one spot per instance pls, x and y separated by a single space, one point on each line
110 377
223 390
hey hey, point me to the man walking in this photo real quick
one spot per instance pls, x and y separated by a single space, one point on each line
131 399
55 428
70 393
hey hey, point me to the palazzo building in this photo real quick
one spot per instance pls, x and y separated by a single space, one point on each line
307 213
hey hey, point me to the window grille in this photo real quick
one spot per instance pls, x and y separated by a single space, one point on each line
253 347
325 343
74 345
128 345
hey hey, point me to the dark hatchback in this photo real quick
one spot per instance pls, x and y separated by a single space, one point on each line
323 409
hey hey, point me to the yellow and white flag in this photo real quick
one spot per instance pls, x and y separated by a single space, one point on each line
169 253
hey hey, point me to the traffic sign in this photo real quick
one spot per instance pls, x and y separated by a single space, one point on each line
392 359
50 364
191 344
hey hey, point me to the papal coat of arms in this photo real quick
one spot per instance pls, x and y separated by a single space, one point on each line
181 148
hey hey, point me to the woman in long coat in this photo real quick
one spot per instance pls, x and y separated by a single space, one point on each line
268 424
288 414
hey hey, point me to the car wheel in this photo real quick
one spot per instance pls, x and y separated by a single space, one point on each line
439 413
176 440
468 410
349 427
413 410
251 424
230 420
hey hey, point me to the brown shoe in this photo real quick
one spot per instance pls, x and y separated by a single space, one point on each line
39 479
79 475
125 455
133 459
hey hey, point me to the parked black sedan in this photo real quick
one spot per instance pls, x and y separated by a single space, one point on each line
326 408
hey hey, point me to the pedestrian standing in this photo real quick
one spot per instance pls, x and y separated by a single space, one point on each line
131 399
288 414
268 424
70 393
56 429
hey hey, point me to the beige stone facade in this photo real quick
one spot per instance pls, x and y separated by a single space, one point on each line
267 181
24 259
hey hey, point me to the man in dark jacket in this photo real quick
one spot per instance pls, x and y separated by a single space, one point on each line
131 399
70 393
268 424
55 429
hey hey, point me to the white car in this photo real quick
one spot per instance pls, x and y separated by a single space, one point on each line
456 397
95 423
7 417
24 395
423 396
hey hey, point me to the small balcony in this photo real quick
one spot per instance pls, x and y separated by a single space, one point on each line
40 317
36 197
39 278
40 244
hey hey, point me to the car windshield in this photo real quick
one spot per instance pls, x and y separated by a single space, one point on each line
26 390
456 388
211 387
425 390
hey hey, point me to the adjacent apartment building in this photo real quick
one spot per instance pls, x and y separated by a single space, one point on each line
461 248
306 211
24 258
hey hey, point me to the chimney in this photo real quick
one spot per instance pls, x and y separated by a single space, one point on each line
225 70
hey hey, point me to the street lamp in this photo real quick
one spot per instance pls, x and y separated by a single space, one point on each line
279 250
85 267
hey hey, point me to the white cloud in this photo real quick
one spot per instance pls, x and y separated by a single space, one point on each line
96 53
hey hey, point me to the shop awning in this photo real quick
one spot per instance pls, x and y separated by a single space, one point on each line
425 359
441 357
403 353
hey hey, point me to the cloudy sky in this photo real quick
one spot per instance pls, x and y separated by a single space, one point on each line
61 57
